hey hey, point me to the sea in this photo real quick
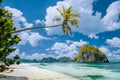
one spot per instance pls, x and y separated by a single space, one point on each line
85 71
81 71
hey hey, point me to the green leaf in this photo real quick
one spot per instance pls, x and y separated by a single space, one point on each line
16 57
68 10
7 39
58 19
60 11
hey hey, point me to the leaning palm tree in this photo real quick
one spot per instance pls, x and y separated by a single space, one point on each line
68 15
35 27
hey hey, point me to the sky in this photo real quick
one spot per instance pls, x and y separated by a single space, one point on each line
99 26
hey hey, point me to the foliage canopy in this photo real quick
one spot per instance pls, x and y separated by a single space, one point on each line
7 39
69 17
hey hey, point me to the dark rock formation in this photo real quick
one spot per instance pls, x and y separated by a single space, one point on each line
65 59
90 54
49 59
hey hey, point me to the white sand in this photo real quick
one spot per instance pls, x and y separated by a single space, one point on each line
35 73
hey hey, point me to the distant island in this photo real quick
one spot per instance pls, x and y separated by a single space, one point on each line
89 54
51 59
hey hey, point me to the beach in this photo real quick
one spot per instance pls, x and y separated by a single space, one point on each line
26 71
63 71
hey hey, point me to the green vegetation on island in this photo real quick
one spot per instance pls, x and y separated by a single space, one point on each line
90 54
65 59
51 59
48 59
86 54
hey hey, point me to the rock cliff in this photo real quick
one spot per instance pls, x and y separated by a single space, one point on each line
90 54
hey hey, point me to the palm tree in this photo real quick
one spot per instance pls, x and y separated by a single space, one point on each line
68 15
35 27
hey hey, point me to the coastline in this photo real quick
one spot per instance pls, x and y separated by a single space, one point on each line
63 71
30 72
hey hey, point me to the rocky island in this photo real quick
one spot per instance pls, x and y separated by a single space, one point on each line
90 54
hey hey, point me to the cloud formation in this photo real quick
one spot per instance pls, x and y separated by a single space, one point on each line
23 55
112 20
42 22
89 24
112 49
114 42
18 18
111 55
69 48
37 56
20 22
31 37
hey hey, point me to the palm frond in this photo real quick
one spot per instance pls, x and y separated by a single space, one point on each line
74 21
68 11
66 29
60 11
63 29
63 8
75 14
70 16
69 30
57 19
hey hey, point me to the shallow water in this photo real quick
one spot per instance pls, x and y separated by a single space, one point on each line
14 78
85 71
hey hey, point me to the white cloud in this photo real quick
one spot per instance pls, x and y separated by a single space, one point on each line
18 18
36 56
69 48
21 22
104 49
93 36
39 22
111 19
32 37
59 46
35 37
111 55
114 42
116 51
23 55
89 24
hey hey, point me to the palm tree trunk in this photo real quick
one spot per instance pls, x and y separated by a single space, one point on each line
26 29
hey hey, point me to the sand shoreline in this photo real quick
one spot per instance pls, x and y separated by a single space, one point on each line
35 73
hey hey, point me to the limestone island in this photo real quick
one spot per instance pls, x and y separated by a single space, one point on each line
91 54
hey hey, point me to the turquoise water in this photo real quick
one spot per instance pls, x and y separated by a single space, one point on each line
85 71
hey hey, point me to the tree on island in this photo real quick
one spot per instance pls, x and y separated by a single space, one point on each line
8 39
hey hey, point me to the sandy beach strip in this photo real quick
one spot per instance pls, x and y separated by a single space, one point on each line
35 73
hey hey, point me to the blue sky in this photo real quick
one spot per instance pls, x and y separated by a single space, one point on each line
99 26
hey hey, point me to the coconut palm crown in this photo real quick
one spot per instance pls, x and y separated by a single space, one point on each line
69 16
